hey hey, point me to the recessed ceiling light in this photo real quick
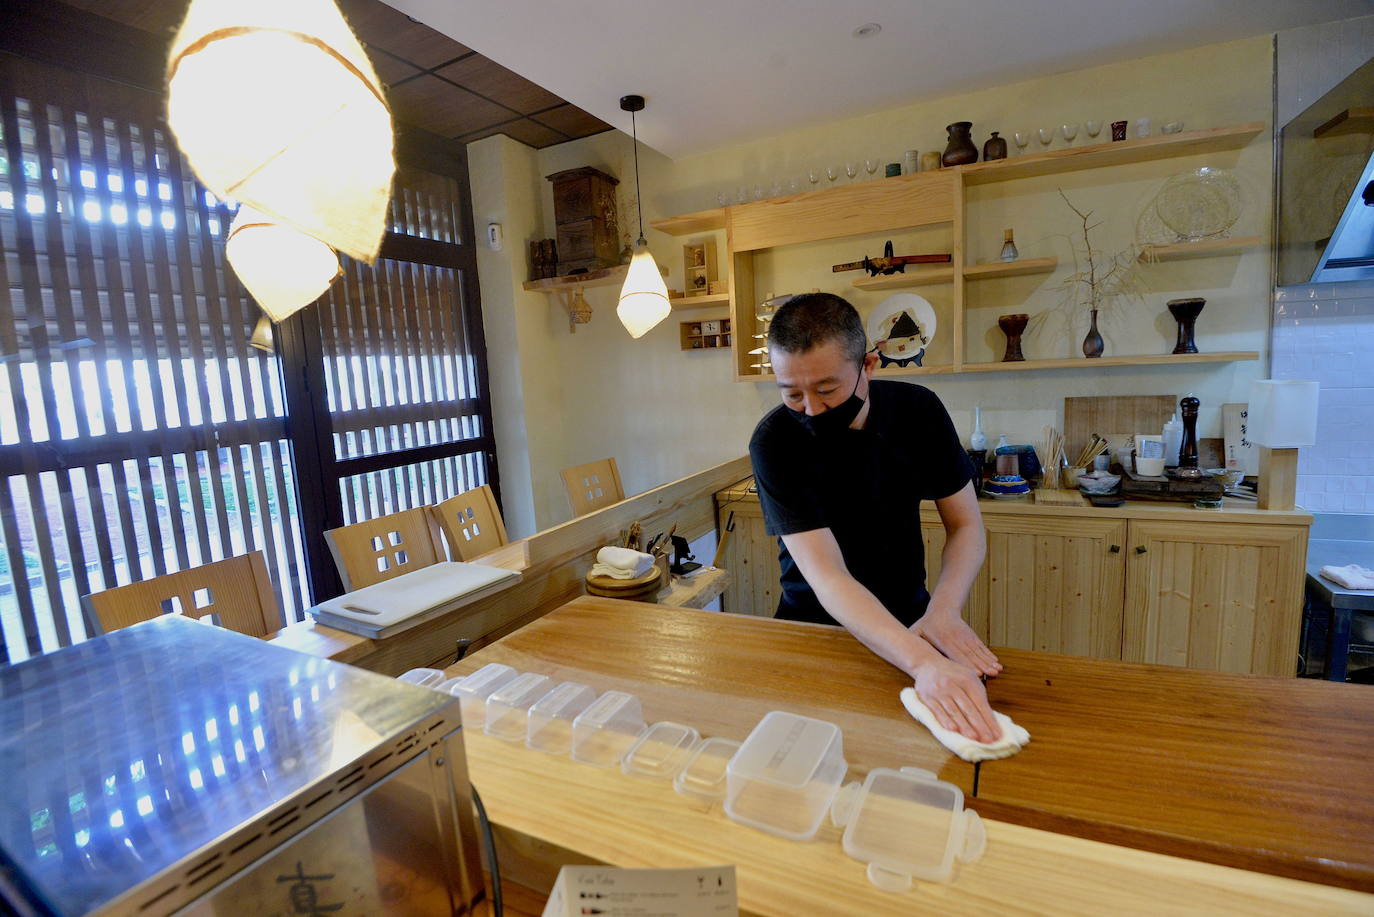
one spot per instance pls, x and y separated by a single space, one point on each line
867 30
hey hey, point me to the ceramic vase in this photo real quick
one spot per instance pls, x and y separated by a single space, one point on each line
960 149
1093 343
1185 312
1012 326
995 148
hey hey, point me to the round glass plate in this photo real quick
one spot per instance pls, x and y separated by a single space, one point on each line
1197 205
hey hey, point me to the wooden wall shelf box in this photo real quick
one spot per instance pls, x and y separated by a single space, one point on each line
1163 359
699 302
1207 248
1350 121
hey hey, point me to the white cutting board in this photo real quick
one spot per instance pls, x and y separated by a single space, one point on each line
390 607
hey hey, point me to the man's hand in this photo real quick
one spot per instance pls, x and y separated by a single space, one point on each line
949 634
957 698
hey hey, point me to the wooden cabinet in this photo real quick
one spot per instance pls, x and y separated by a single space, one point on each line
1220 597
585 214
751 556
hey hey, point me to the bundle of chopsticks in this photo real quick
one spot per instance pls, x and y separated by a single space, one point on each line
1052 457
1095 447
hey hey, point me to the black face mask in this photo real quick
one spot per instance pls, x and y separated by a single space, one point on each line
832 423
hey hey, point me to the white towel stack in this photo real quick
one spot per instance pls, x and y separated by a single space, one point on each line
1013 736
622 563
1351 577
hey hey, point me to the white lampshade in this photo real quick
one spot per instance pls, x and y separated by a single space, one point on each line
1282 413
283 269
276 105
644 297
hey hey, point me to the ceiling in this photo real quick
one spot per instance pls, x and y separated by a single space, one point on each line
720 72
433 82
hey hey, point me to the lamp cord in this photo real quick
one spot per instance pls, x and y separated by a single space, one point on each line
639 198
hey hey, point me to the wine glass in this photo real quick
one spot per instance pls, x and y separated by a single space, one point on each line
851 169
759 193
832 173
794 185
813 176
1046 136
1022 138
742 195
870 166
1094 128
723 198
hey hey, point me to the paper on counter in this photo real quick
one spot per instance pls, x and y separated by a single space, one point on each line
708 891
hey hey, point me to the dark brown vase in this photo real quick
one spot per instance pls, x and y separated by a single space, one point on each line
1012 326
1093 343
995 148
1185 312
960 150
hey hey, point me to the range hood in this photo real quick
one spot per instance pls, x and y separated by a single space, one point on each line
1326 187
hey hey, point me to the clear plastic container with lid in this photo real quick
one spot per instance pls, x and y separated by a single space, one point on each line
605 731
661 752
508 706
425 678
785 775
703 776
474 690
551 717
907 824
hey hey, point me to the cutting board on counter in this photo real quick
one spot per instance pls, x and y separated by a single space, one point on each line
1108 414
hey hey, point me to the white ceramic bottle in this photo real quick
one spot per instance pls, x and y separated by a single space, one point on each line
1173 441
978 440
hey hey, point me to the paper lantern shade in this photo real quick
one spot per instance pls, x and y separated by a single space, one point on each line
276 106
1282 413
644 296
283 269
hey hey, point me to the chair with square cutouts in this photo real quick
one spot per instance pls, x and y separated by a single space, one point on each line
470 523
593 486
234 593
379 549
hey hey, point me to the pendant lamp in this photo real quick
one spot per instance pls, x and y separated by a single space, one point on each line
644 297
283 269
276 105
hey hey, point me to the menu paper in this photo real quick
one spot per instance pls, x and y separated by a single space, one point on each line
707 891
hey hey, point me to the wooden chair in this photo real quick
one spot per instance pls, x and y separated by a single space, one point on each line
234 593
470 523
382 548
593 486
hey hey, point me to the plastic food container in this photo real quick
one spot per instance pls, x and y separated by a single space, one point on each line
703 776
661 752
907 824
551 717
605 731
785 775
474 690
508 706
425 678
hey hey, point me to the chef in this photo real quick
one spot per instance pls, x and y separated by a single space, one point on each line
842 466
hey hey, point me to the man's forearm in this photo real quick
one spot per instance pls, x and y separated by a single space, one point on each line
965 550
850 603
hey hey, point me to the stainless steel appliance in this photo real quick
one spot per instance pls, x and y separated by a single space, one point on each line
178 767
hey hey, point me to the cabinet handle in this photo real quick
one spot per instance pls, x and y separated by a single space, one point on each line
1115 549
1141 549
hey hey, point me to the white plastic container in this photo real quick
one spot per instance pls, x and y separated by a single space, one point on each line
703 776
551 717
661 752
508 706
474 690
605 731
907 824
425 678
785 775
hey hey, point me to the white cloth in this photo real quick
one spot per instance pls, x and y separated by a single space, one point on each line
1013 736
622 563
1351 577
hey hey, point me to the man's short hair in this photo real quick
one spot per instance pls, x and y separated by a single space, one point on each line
813 319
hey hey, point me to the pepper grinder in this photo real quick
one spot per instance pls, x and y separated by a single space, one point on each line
1187 453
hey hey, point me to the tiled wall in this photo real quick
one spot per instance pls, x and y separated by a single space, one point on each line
1325 331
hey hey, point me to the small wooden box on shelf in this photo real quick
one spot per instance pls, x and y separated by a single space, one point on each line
711 334
699 267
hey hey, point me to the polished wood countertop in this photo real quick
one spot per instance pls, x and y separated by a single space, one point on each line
1232 510
721 673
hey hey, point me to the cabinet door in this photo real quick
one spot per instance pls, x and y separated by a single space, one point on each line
976 608
1220 596
1055 584
751 557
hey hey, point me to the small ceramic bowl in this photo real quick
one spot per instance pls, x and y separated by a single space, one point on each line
1227 476
1098 482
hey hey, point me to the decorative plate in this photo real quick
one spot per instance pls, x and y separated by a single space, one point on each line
900 329
1201 204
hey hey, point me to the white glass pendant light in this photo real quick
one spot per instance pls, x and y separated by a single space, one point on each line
283 269
276 106
644 297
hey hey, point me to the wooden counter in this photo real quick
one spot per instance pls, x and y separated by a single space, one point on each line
720 673
1144 582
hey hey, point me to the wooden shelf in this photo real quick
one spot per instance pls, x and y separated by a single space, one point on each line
1207 248
919 277
1239 356
1184 143
603 278
1350 121
1011 268
688 223
683 303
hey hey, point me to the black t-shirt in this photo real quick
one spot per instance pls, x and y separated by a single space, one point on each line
866 486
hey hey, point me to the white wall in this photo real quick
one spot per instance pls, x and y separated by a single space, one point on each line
664 413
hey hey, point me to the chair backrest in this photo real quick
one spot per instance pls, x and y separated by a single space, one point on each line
378 549
593 486
470 523
235 593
